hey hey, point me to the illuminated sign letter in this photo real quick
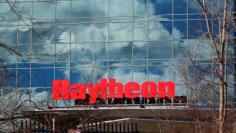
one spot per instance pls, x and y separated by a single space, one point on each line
166 87
115 88
78 91
99 88
60 87
130 87
149 89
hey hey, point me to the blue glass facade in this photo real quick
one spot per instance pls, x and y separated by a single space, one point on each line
85 40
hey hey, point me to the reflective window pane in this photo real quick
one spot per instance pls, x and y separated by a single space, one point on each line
140 50
9 57
62 73
180 6
160 7
140 74
180 49
43 10
140 32
8 13
63 34
101 51
43 33
101 8
121 74
120 51
120 32
82 52
63 52
101 73
81 75
8 35
180 30
43 53
181 90
25 50
63 10
25 9
41 96
23 79
101 32
82 8
10 78
160 50
82 33
160 73
24 34
196 28
159 31
120 11
140 7
41 77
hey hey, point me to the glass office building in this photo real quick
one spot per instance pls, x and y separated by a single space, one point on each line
86 40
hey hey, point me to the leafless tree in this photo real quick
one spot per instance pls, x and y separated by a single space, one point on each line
210 84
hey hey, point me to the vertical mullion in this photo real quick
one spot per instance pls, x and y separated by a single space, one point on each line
31 44
188 91
17 43
94 44
54 65
148 1
172 46
132 58
108 39
69 67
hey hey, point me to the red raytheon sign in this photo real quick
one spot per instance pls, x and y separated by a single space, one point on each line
109 88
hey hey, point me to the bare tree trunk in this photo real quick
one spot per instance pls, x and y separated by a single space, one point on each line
223 88
221 111
234 21
220 47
